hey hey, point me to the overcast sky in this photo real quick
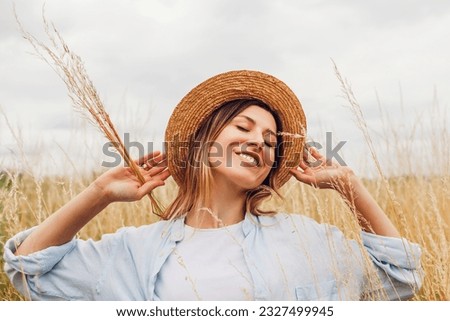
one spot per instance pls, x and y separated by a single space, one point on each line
144 56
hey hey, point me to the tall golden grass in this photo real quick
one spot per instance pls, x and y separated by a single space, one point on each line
80 89
417 201
415 196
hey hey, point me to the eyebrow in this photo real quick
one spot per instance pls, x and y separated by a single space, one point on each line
253 122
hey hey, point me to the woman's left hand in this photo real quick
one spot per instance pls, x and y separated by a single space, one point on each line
317 171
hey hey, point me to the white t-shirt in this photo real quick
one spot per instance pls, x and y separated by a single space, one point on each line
208 264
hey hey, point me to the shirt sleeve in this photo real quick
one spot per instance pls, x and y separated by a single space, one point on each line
44 275
397 263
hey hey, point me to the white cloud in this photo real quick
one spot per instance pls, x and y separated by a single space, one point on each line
143 56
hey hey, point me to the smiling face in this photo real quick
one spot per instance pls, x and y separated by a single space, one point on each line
232 151
244 152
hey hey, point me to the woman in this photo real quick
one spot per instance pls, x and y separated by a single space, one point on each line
232 141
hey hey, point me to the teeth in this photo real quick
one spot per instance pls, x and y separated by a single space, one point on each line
248 158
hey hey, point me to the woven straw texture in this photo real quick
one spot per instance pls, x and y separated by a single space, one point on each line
201 101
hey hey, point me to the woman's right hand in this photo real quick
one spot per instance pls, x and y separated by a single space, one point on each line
120 184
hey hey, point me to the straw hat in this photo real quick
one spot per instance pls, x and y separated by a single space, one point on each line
201 101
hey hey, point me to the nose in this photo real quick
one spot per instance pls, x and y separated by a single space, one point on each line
255 145
256 141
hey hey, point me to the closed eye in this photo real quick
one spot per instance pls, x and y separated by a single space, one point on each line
268 141
242 129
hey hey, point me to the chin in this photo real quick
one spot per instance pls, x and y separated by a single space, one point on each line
240 178
245 184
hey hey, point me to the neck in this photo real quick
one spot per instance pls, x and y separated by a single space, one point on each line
226 207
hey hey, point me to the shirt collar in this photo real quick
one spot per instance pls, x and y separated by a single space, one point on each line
177 229
177 226
249 224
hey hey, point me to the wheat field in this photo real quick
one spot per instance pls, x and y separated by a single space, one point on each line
420 214
413 191
417 204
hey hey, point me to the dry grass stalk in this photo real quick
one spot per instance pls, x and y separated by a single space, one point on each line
424 200
84 96
362 125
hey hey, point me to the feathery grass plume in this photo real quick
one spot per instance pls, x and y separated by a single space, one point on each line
84 96
361 123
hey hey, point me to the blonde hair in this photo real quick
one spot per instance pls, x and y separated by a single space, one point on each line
195 191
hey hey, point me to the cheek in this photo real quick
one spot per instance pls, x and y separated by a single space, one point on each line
215 155
269 156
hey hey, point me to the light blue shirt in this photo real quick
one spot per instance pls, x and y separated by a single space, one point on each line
290 257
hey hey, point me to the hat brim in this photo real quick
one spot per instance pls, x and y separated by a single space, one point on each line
201 101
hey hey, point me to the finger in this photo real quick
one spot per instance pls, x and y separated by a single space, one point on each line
305 154
302 177
317 159
162 163
307 157
163 175
315 153
313 163
156 160
155 181
324 161
147 157
303 165
148 187
155 170
152 170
